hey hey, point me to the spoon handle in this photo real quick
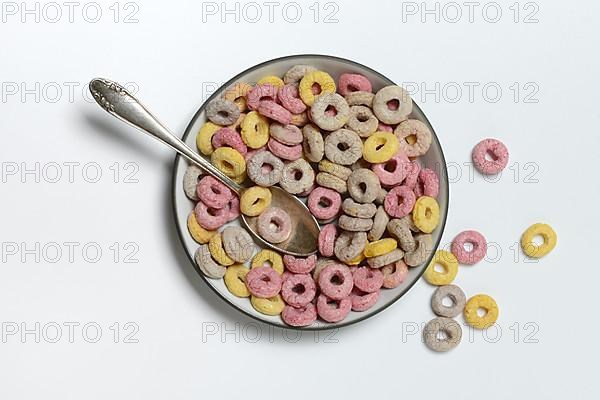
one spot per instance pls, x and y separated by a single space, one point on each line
117 101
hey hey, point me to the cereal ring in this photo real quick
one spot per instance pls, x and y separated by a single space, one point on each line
286 152
442 334
255 130
393 171
272 110
350 83
274 225
362 121
349 245
215 246
263 282
302 316
497 153
358 210
324 203
268 258
334 169
238 243
204 138
400 229
255 200
265 169
230 138
456 296
295 74
207 265
190 181
394 274
211 218
271 80
198 233
380 222
327 240
528 245
222 112
286 134
362 301
360 99
380 199
488 306
234 208
352 224
235 280
473 256
332 182
299 265
313 144
386 259
297 177
322 262
330 111
299 290
380 247
289 98
392 105
421 252
448 264
399 201
363 185
333 310
428 183
237 94
260 93
380 147
229 161
343 147
271 306
412 174
300 120
368 280
384 128
414 137
316 81
355 261
335 281
426 214
213 193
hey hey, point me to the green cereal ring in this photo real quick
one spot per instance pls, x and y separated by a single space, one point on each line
400 229
358 210
422 251
207 265
190 181
386 259
222 112
297 176
441 343
330 111
332 182
313 144
335 169
362 121
363 185
295 74
392 105
352 224
343 147
349 245
380 222
360 99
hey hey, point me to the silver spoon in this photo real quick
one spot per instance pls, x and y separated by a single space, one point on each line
115 99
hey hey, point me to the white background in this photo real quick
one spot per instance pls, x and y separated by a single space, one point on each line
190 344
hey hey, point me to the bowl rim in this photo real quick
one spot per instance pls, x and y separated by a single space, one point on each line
179 158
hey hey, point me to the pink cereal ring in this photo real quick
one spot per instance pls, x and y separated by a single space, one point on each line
288 96
298 290
367 279
213 193
412 174
263 282
428 183
497 153
230 138
335 281
476 254
327 240
272 110
333 310
300 265
384 127
260 93
252 152
392 172
274 225
394 274
324 203
234 208
349 83
362 301
211 218
286 152
399 201
302 316
285 275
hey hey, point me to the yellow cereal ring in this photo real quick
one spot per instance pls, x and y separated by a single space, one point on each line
271 80
426 214
528 245
204 138
255 200
255 130
229 161
486 303
270 257
235 280
323 79
215 246
199 234
270 306
356 260
380 247
240 179
448 262
380 147
237 93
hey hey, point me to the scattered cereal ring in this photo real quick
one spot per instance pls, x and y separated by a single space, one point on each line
268 258
260 93
327 240
489 307
274 225
299 316
321 81
229 161
363 185
263 282
360 99
393 171
333 310
230 138
222 112
349 245
271 80
295 74
297 177
335 281
352 224
286 152
380 147
368 280
358 210
442 334
456 296
335 169
299 290
394 274
272 110
332 182
399 201
213 193
533 250
473 256
426 214
400 230
215 246
497 153
350 83
362 301
380 247
414 137
211 218
392 104
235 280
255 130
343 147
330 111
198 233
428 183
362 121
255 200
190 181
237 94
386 259
238 243
449 265
271 306
289 98
204 138
207 265
421 252
380 222
324 203
313 144
265 169
299 265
